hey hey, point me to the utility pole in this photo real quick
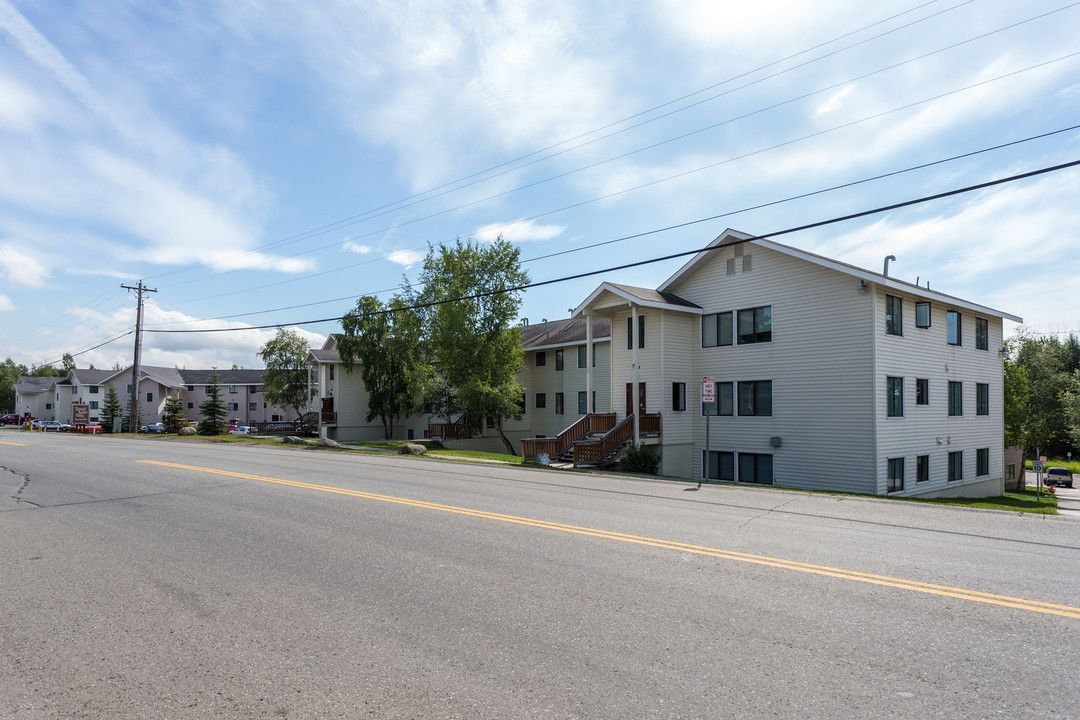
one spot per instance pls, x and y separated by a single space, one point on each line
134 412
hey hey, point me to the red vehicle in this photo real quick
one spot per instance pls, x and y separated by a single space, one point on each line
93 428
10 419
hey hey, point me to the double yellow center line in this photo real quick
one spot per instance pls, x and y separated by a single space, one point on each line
944 590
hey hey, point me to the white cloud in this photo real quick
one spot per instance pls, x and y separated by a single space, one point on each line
20 267
5 304
356 247
408 258
518 231
833 103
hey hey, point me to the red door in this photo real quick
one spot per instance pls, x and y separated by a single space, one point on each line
630 398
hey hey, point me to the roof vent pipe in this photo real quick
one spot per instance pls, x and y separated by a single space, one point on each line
887 259
524 322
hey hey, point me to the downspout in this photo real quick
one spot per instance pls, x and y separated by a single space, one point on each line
635 391
588 364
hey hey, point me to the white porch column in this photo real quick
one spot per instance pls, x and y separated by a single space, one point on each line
588 364
635 391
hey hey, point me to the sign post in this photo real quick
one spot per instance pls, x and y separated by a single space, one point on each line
708 395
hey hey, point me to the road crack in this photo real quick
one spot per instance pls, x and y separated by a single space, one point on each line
17 497
764 514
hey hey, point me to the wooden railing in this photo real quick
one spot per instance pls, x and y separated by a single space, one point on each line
328 418
596 452
462 428
593 422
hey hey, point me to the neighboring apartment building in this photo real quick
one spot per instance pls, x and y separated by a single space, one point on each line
554 376
827 376
241 391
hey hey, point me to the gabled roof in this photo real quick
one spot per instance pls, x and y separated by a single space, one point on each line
733 237
225 377
570 331
324 356
643 297
30 385
88 377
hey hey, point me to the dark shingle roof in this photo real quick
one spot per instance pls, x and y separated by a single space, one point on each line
225 377
563 332
655 296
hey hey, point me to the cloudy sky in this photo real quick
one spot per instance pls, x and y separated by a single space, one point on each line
266 162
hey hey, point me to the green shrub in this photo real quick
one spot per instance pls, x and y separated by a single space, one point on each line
640 459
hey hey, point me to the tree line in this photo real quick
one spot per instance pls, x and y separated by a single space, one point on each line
1042 394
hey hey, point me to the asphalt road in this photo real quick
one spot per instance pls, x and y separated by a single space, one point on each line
238 582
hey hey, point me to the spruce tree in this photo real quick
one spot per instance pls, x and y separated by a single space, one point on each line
174 415
112 410
214 409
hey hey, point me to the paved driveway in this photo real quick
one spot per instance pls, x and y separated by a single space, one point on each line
1068 498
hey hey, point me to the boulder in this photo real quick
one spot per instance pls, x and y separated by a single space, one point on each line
541 459
293 440
327 442
412 449
187 430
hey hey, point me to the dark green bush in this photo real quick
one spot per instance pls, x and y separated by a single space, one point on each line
640 459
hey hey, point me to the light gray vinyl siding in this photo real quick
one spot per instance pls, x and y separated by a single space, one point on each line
819 362
622 359
928 429
569 381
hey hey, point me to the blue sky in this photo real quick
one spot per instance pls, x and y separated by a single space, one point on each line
242 157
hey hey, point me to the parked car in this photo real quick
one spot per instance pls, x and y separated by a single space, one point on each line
1059 476
241 430
93 428
10 419
52 426
153 428
229 429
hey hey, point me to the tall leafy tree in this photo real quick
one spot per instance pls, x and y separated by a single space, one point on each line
472 325
386 340
112 409
175 418
67 363
10 372
286 376
1041 379
213 410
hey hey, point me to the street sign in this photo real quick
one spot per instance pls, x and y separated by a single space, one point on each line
80 413
708 390
1037 466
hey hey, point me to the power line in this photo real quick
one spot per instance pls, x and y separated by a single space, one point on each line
651 183
679 225
341 223
778 233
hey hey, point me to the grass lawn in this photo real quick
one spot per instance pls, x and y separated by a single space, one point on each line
1019 501
435 451
1073 466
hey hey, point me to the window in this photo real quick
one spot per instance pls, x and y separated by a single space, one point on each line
521 404
191 388
755 325
922 468
594 401
1010 472
755 398
234 407
558 403
74 390
982 399
982 462
253 406
191 406
93 404
755 468
922 391
896 475
582 403
956 466
716 329
129 388
894 315
717 465
725 402
894 397
150 397
331 372
678 396
952 327
234 389
582 356
559 360
541 358
541 400
92 389
48 406
922 314
982 334
956 398
641 331
253 388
